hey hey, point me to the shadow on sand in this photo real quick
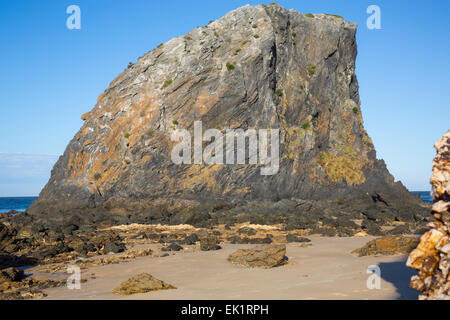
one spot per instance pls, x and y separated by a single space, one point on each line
399 275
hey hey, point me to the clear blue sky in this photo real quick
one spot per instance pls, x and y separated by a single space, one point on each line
52 75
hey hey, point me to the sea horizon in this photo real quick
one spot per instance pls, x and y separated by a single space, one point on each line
20 204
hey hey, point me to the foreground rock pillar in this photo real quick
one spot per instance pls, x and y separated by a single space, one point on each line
432 256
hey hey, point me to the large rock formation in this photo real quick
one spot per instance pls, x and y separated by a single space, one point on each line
432 256
258 67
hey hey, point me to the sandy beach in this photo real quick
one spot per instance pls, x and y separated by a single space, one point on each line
324 270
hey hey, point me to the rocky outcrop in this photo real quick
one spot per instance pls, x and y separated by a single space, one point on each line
389 245
432 256
258 67
11 274
28 288
260 257
141 283
26 241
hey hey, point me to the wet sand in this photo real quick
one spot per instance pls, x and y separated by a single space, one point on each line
325 270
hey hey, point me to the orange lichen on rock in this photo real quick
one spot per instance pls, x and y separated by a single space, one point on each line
204 102
100 163
85 116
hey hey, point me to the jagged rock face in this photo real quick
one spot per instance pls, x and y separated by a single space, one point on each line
261 67
432 256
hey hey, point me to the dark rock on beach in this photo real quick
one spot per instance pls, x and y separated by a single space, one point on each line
11 260
27 288
400 230
11 274
372 228
85 248
50 251
209 247
326 232
248 231
114 248
238 240
172 247
191 239
265 240
295 238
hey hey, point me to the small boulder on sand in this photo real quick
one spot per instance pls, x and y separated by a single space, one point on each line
261 256
388 245
141 283
172 247
209 247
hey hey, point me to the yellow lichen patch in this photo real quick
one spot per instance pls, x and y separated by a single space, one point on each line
346 157
339 168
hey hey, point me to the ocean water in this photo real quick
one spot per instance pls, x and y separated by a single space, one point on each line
425 195
15 203
22 203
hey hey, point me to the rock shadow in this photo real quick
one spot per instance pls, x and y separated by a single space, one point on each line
399 275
